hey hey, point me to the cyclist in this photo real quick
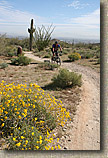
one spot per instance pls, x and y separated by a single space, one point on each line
55 48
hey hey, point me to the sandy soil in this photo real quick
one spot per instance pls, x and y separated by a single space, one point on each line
84 132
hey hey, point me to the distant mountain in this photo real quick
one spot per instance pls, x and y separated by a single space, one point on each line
68 40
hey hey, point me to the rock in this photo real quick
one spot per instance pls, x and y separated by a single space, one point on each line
69 140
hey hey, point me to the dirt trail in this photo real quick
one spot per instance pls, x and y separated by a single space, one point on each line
30 55
85 133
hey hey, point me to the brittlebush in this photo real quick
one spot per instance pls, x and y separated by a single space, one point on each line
28 116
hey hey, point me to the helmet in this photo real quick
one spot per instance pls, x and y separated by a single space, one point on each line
56 42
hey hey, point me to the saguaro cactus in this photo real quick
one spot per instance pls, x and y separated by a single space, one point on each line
31 31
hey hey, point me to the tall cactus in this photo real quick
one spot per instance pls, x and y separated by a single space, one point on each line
31 31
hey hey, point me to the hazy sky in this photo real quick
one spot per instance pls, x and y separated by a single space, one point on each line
71 18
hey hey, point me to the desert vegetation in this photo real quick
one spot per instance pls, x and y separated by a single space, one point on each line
37 98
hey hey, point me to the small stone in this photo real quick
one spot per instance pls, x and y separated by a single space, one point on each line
98 142
69 140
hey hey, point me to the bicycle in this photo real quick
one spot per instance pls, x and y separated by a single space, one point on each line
56 58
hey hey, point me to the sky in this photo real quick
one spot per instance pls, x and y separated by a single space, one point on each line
78 19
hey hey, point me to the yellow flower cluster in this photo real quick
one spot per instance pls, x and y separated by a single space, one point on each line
31 113
79 56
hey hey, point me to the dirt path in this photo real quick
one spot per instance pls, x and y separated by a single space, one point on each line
30 55
85 131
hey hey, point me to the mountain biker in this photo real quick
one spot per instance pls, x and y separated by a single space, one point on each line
55 48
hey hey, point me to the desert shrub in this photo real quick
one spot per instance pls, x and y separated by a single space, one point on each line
29 115
35 50
10 49
10 54
97 54
3 65
21 60
66 79
48 66
42 37
65 52
25 49
88 56
14 61
13 41
24 43
74 56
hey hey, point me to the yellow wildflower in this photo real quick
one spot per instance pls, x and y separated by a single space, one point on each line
24 145
5 117
17 112
32 133
19 96
59 147
33 106
14 139
40 141
19 117
52 148
37 147
18 144
2 125
57 139
26 141
35 118
22 137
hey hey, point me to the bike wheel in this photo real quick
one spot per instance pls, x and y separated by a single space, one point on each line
52 61
58 61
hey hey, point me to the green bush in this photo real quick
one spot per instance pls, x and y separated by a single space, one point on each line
21 60
48 66
74 56
11 54
66 79
88 56
65 52
3 65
